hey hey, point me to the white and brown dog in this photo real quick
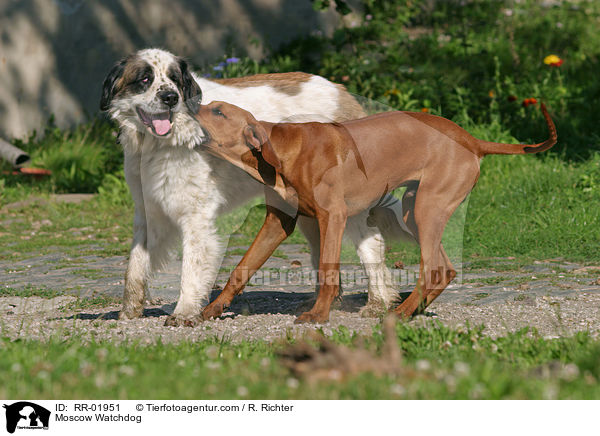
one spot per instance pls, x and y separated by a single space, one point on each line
179 192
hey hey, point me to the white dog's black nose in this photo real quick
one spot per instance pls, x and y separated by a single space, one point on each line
170 98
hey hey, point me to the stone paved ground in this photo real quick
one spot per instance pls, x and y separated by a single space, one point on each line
556 297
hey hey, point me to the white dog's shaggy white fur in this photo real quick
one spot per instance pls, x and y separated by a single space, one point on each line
179 191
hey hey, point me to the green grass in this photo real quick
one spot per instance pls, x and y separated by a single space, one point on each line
534 209
94 302
29 291
443 363
91 273
99 301
46 226
481 296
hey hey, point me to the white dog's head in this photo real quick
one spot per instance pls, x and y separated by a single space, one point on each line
152 91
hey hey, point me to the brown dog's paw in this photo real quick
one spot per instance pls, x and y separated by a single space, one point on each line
312 317
212 311
180 321
403 313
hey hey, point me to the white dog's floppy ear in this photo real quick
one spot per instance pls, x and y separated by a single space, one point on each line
256 137
108 87
192 94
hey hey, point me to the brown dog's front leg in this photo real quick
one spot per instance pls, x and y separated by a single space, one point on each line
276 228
331 229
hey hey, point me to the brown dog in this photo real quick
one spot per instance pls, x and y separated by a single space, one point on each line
331 171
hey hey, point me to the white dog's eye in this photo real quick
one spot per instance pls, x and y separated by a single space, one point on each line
145 79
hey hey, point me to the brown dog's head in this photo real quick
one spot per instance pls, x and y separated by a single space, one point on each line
231 132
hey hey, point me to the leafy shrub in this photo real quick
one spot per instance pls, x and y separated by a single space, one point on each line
114 191
478 59
79 158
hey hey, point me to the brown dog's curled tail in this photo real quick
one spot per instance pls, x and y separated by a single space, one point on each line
486 147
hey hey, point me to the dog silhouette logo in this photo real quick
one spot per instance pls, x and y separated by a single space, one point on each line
26 415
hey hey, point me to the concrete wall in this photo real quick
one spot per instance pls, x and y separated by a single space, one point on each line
54 54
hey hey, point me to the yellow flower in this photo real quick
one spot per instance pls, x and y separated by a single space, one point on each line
391 92
553 60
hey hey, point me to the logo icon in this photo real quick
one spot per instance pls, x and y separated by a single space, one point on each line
26 415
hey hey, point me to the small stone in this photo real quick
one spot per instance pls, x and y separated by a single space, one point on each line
397 390
292 383
212 352
423 365
462 368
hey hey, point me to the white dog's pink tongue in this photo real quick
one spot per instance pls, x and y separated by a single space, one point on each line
161 127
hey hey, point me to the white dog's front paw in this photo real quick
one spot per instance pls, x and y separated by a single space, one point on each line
181 321
373 309
184 315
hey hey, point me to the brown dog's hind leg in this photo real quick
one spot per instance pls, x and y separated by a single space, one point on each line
331 229
435 204
434 275
450 274
276 228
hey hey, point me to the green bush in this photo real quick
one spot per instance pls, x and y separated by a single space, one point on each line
478 58
114 191
79 158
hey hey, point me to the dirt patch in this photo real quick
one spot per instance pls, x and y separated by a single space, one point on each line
557 298
37 318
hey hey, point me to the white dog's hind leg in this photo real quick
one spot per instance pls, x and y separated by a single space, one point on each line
370 246
136 277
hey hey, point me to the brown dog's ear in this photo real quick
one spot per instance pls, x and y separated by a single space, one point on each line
256 137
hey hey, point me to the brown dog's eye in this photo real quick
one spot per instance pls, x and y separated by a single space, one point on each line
216 111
